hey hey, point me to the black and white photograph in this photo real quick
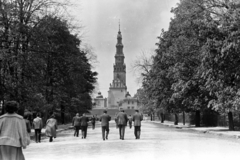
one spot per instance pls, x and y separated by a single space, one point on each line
119 79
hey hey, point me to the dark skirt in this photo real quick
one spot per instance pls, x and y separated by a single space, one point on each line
11 153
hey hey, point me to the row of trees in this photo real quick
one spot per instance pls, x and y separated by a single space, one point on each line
42 64
197 61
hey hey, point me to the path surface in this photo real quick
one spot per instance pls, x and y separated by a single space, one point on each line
157 142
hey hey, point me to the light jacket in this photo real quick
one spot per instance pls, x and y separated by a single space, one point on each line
37 123
51 127
13 131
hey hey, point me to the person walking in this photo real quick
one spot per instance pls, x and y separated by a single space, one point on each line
122 122
84 125
28 126
93 120
130 121
51 127
116 120
76 124
38 125
137 118
104 119
13 133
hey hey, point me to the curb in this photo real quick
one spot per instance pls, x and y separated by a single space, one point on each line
199 131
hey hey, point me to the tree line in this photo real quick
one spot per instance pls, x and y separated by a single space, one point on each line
42 64
196 65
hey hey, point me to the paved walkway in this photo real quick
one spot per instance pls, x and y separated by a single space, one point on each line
218 131
157 141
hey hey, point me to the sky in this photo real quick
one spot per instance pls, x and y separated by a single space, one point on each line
141 22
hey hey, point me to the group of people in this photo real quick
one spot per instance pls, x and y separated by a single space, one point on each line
15 132
82 123
50 130
121 122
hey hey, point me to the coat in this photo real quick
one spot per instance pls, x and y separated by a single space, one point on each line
104 119
137 118
122 119
37 123
84 121
28 125
51 127
13 131
76 121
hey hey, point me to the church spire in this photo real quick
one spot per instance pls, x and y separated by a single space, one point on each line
119 26
119 45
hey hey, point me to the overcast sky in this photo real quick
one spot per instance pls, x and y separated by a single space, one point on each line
141 24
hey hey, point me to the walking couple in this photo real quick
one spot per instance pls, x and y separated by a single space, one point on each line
80 123
122 120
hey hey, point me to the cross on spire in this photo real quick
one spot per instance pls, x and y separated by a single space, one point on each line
119 25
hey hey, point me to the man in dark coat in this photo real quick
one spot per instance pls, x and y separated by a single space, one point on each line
137 118
76 124
130 121
93 120
122 122
104 119
84 124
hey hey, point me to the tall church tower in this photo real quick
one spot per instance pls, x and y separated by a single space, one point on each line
118 88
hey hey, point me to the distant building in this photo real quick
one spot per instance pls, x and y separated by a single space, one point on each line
118 96
100 102
129 103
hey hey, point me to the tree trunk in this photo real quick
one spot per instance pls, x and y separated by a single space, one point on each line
162 118
230 121
176 119
197 118
183 118
151 117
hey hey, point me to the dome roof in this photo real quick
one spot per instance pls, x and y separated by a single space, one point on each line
99 95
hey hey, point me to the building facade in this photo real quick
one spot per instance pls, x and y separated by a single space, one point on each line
129 103
99 102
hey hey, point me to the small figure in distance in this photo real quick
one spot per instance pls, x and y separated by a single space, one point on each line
137 118
93 121
76 124
116 120
122 122
84 125
51 127
104 119
130 121
38 125
13 133
28 126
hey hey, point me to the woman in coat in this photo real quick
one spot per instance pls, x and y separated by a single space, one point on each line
51 127
13 133
28 126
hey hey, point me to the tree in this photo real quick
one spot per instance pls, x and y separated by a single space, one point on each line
197 63
42 63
